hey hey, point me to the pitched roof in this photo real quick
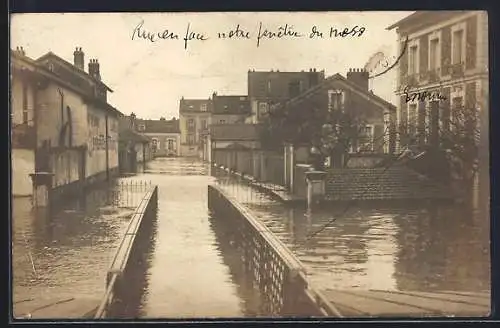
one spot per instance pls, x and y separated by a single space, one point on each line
128 134
406 19
40 69
423 17
194 105
349 84
231 105
235 132
51 55
159 126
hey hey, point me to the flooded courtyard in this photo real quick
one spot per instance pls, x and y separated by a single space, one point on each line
193 270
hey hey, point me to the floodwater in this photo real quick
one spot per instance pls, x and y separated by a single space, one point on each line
65 254
191 272
388 247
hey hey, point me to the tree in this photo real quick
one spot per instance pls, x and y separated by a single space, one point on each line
332 133
452 130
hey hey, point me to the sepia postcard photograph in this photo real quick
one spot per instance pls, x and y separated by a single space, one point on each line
222 165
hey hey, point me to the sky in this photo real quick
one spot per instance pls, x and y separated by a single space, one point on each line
149 78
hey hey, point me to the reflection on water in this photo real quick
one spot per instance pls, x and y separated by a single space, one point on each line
190 274
66 251
391 247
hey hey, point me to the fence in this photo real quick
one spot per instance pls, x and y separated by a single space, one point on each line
264 166
119 276
277 274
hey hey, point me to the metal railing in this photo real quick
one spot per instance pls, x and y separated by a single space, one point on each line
117 274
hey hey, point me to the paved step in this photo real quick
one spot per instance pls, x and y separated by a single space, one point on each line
354 303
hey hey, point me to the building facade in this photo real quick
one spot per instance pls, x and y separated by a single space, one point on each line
24 84
164 134
360 114
75 130
266 88
134 149
194 120
443 83
446 56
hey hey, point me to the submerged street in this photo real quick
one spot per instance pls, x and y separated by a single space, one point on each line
191 269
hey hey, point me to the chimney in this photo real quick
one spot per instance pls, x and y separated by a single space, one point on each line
359 77
20 51
132 119
78 58
162 118
94 69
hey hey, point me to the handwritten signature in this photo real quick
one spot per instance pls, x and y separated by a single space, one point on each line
422 96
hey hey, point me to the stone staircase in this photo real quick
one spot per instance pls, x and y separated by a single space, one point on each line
393 183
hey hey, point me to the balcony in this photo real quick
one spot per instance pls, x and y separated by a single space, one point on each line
409 81
23 136
457 70
434 75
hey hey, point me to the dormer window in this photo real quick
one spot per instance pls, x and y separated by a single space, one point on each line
203 107
141 127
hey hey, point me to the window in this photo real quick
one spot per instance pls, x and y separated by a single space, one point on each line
191 139
365 143
335 100
262 108
226 108
141 127
204 124
222 121
412 118
154 144
190 124
25 104
269 86
457 104
434 54
458 44
412 57
93 120
203 107
170 144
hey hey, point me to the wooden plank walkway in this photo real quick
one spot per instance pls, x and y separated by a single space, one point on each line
51 308
380 303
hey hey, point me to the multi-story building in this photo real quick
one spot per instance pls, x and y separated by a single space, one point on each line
271 87
194 119
75 130
446 56
443 81
164 134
